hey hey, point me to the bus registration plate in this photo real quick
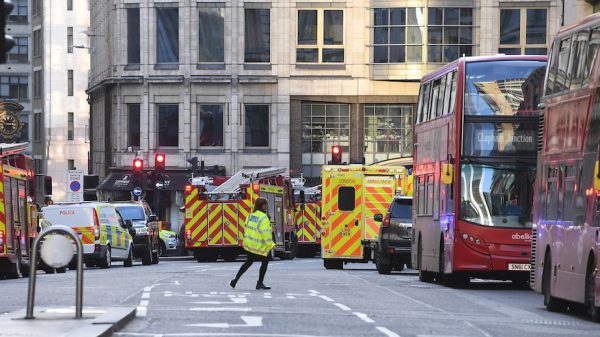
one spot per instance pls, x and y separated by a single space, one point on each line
519 266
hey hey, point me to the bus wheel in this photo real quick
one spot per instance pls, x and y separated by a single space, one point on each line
590 293
552 303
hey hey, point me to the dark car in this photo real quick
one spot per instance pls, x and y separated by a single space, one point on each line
146 239
395 233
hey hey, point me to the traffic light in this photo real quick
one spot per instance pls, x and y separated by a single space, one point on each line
138 165
6 41
47 185
336 155
194 162
138 168
159 162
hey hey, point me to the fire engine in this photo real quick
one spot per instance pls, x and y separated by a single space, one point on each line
214 220
308 219
18 211
352 195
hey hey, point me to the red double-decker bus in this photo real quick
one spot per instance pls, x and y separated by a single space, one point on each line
474 167
566 244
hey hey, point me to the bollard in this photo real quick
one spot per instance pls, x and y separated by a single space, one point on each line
58 229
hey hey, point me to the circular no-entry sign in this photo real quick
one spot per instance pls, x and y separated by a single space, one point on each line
75 186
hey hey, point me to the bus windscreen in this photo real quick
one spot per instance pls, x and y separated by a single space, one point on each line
503 88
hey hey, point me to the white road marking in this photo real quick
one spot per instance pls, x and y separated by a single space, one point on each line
145 295
326 298
219 309
148 289
212 334
233 300
144 303
387 332
313 292
290 297
341 306
141 311
249 322
364 317
478 329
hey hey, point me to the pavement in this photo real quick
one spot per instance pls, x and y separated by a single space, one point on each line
59 322
181 297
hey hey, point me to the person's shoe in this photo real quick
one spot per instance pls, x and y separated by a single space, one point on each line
232 283
261 286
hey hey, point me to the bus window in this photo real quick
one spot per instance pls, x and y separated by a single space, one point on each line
576 64
453 95
429 195
420 105
552 68
423 118
421 195
440 103
448 91
592 54
561 80
346 198
569 194
552 194
434 100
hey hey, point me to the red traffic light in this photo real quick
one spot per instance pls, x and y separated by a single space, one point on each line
336 155
159 161
138 164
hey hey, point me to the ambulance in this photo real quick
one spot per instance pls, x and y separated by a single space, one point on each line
215 218
308 219
351 196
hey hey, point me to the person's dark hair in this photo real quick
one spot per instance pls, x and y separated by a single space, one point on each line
259 204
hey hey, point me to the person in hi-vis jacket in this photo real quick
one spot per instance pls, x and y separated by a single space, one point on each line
258 242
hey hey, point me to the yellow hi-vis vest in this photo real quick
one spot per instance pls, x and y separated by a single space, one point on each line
258 235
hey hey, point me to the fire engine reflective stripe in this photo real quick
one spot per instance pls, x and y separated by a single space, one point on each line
377 200
298 222
199 225
215 223
2 217
308 224
230 224
87 234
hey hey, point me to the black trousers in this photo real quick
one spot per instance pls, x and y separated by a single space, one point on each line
264 260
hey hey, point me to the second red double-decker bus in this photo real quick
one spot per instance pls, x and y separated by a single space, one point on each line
474 167
566 244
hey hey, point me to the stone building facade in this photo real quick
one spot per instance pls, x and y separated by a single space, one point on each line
277 83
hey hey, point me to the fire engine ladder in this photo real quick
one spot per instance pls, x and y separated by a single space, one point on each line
13 148
232 185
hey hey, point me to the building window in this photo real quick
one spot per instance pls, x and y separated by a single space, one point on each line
133 35
320 36
69 5
523 31
450 32
37 43
14 87
36 8
71 164
133 125
168 125
211 124
20 52
211 35
24 118
323 125
71 126
70 82
38 84
257 35
19 12
257 125
69 39
167 34
398 35
37 127
388 132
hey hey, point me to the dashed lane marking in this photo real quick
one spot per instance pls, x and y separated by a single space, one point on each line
364 317
220 309
387 332
213 334
326 298
341 306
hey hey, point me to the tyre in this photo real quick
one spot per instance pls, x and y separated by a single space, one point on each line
147 257
424 276
61 270
129 261
399 267
552 303
382 268
156 256
14 270
162 248
106 261
590 293
333 264
90 264
294 251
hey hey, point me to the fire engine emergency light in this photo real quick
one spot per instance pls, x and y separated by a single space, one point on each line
57 250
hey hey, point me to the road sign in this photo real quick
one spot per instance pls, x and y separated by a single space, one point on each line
137 191
74 186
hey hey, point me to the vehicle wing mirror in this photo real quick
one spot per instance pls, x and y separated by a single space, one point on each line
152 217
131 231
597 176
128 224
378 217
447 174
